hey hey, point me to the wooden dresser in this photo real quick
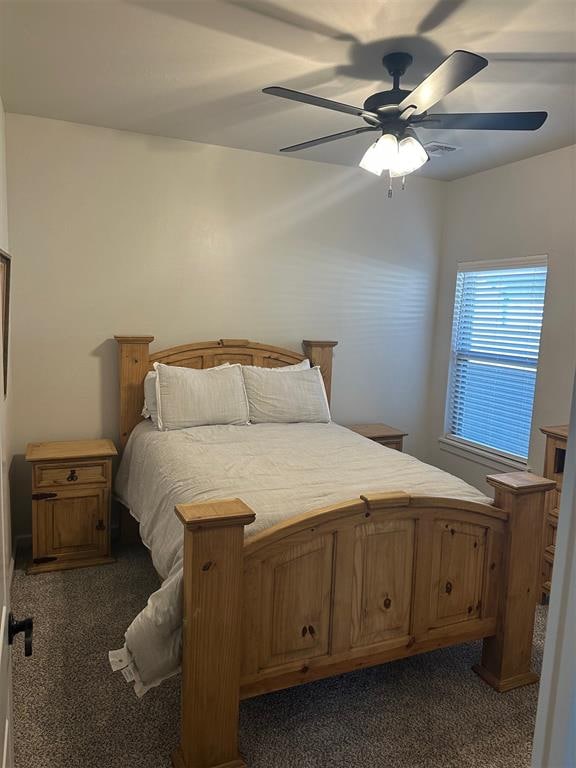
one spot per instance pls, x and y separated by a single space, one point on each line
556 440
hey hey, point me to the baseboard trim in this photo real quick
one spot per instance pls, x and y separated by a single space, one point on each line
6 743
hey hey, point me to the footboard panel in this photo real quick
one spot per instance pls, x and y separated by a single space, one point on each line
350 586
365 582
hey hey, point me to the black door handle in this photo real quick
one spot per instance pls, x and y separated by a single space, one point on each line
15 627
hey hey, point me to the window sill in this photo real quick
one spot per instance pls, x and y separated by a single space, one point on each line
487 458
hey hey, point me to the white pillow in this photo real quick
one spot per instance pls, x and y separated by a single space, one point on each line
150 409
298 396
189 397
303 366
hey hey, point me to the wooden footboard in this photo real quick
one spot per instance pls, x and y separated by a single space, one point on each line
350 586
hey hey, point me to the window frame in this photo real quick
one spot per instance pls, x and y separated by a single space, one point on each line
453 443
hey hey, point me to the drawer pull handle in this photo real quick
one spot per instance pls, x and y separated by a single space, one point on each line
72 477
100 525
448 587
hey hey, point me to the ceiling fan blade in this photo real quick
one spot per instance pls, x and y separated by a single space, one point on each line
437 15
459 67
558 57
485 121
318 101
326 139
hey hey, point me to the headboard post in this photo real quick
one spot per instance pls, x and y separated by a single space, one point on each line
134 364
320 353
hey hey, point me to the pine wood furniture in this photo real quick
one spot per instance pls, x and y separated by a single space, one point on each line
373 579
71 484
382 434
555 457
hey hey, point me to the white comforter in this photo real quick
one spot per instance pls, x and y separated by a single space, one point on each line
278 469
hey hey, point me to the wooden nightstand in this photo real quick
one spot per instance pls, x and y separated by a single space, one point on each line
71 490
381 433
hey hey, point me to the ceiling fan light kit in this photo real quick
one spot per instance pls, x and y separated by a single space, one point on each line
398 157
397 111
411 156
381 155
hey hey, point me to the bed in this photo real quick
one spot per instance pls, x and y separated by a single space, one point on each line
357 555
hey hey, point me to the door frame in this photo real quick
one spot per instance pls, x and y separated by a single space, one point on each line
554 745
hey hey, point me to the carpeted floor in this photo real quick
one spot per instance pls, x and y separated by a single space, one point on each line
70 711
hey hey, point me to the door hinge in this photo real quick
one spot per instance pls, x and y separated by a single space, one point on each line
42 496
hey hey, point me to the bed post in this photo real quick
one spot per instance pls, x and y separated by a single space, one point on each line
320 353
133 363
212 633
507 655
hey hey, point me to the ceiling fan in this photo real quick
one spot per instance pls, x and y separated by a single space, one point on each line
396 112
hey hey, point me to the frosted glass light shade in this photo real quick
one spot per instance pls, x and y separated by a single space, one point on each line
369 161
411 156
381 155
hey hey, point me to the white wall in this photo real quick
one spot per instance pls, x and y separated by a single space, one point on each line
521 209
3 195
121 233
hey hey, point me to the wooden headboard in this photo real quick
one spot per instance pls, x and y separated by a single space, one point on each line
136 359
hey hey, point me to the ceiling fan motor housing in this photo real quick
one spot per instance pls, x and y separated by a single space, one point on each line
389 98
397 63
386 101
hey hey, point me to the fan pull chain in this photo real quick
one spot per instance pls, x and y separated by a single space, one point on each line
403 183
389 186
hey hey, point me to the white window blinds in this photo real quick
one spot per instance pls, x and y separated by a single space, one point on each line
495 347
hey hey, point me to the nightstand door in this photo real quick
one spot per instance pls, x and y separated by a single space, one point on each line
70 524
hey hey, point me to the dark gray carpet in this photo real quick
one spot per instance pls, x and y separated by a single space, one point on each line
70 711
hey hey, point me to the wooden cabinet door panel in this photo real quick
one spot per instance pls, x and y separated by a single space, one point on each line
72 524
296 588
382 581
458 559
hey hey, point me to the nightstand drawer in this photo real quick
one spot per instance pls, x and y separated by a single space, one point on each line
381 434
71 475
396 444
553 501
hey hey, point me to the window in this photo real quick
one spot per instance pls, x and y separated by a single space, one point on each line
495 346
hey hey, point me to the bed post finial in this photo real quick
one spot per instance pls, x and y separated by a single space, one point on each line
133 365
507 655
320 353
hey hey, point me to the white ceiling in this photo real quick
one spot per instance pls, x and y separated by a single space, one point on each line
194 70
